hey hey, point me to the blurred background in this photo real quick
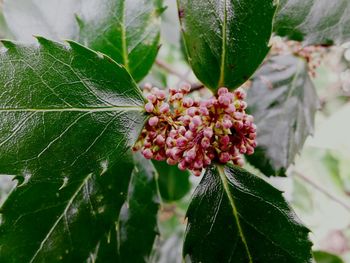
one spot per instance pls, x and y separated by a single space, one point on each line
318 184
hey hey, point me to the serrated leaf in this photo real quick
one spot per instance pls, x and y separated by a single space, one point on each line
173 183
314 22
325 257
66 130
127 31
284 102
226 40
237 217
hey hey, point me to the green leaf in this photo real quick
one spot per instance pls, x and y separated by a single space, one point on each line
283 102
226 40
173 183
127 31
132 238
137 227
66 131
315 22
325 257
237 217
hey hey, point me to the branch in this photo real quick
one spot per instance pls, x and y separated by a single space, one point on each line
323 190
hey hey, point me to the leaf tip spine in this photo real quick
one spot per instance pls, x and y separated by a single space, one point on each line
8 43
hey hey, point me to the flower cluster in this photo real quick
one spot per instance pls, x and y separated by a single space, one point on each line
192 134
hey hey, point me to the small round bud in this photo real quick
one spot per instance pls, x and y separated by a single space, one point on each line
208 132
147 153
153 121
149 107
224 157
164 108
222 91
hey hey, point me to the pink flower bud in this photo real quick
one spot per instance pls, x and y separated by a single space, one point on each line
224 100
205 143
224 157
182 165
159 157
197 172
222 91
170 142
230 109
191 154
164 108
173 91
173 134
147 86
188 102
182 130
242 149
147 153
238 116
198 164
225 140
206 161
240 94
181 142
152 98
243 105
197 121
204 111
227 124
208 132
160 140
185 89
192 111
238 161
174 153
149 107
238 125
250 150
160 95
153 121
171 161
189 135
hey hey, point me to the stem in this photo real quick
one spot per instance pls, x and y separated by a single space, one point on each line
322 190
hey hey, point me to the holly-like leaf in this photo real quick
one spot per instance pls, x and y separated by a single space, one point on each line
325 257
127 31
173 183
315 22
237 217
65 132
284 102
226 40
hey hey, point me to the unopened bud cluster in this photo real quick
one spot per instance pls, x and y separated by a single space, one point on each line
193 134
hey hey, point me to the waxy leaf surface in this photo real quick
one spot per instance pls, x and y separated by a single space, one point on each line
226 40
237 217
65 133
